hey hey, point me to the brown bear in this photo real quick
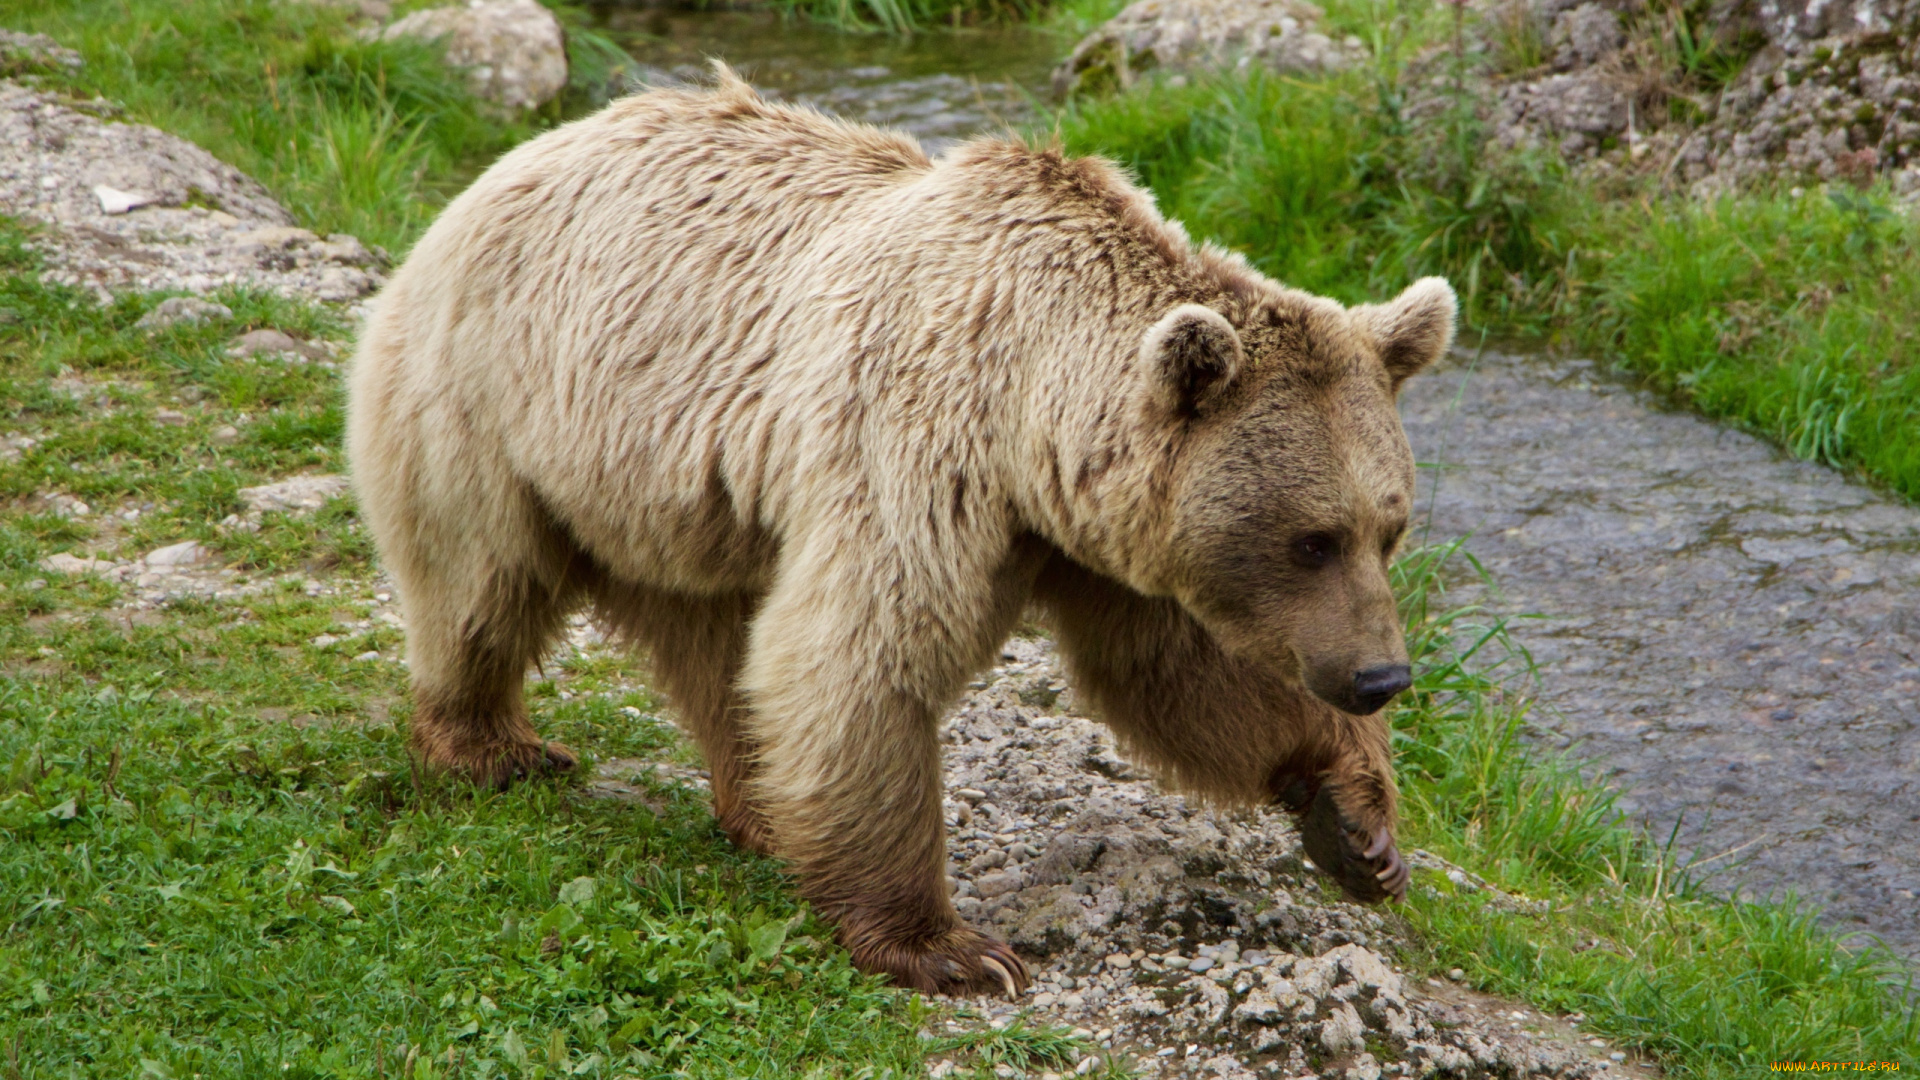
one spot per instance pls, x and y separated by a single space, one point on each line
814 419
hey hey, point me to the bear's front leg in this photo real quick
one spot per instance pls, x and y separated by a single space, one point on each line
845 678
1235 731
851 785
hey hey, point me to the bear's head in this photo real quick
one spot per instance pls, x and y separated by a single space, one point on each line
1295 482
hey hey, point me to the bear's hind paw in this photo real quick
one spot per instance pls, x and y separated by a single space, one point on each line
500 766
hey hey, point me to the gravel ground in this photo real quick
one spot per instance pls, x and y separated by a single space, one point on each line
1732 637
1195 943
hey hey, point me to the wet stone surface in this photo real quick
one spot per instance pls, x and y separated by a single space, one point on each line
1732 637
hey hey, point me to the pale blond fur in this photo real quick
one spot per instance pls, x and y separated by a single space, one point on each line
815 419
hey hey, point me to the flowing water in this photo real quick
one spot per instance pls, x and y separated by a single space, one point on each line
1731 637
938 85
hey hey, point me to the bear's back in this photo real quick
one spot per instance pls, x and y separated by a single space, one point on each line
681 169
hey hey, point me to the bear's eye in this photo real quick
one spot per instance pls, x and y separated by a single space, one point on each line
1317 549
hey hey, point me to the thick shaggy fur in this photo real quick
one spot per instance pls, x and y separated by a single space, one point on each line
815 419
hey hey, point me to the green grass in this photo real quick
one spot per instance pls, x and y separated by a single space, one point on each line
215 857
1787 315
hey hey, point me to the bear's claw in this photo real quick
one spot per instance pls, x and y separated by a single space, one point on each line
961 961
498 766
1006 977
1367 874
1394 874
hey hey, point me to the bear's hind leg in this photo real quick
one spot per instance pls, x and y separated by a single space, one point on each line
473 629
695 644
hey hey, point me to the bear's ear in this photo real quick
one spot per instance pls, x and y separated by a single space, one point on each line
1193 354
1415 329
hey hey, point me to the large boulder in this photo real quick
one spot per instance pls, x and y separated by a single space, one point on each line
128 207
1181 35
513 51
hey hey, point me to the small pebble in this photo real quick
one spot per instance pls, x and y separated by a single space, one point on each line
1456 974
1201 965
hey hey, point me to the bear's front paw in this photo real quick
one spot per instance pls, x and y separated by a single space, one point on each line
961 961
499 765
1366 863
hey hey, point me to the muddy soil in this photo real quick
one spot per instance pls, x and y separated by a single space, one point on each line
1730 636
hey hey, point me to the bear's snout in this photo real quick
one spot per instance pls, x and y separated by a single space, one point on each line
1375 686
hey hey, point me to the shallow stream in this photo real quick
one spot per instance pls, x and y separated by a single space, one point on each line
939 85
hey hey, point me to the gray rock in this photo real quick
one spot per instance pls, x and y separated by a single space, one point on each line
1575 111
299 494
513 51
69 564
344 283
64 168
1132 880
20 52
1183 35
183 554
1831 92
1585 35
269 342
187 310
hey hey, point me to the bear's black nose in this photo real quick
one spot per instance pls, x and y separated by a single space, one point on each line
1375 686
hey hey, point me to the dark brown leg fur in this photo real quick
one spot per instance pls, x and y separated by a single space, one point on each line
696 644
881 879
470 715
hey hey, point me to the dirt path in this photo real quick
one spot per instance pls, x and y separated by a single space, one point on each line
1731 635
